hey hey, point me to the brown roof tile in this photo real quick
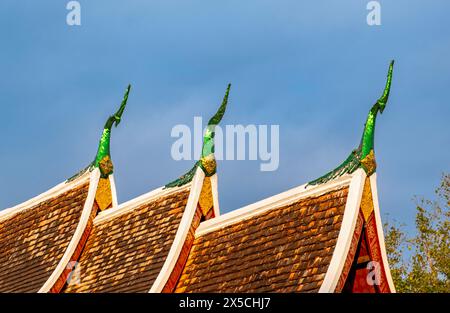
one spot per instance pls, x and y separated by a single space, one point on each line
126 252
33 240
287 249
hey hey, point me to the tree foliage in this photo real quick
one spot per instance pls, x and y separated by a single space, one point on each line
421 263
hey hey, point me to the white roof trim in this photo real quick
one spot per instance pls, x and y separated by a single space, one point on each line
112 182
84 219
387 270
51 193
134 203
345 234
270 203
180 237
215 194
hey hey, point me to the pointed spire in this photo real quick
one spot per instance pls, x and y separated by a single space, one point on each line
384 98
103 157
364 155
207 160
367 140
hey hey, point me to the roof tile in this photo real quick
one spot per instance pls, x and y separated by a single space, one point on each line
126 252
32 241
285 249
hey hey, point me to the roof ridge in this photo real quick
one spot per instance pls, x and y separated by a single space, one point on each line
134 203
270 203
56 280
48 194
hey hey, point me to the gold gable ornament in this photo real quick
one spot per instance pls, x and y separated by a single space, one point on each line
367 200
369 164
103 197
106 166
209 164
206 198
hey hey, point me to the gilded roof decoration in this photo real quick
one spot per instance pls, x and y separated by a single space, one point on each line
364 155
207 160
103 157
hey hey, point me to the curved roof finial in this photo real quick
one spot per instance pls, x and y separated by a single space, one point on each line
207 160
384 98
364 155
367 140
103 157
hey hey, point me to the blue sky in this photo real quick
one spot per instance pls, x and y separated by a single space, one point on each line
313 67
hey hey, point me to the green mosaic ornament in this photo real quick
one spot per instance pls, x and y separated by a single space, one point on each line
103 157
364 155
184 179
207 160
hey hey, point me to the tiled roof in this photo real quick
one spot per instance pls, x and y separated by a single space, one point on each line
33 240
285 249
124 253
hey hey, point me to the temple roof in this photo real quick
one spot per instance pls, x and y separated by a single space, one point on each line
77 238
286 248
35 235
127 247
